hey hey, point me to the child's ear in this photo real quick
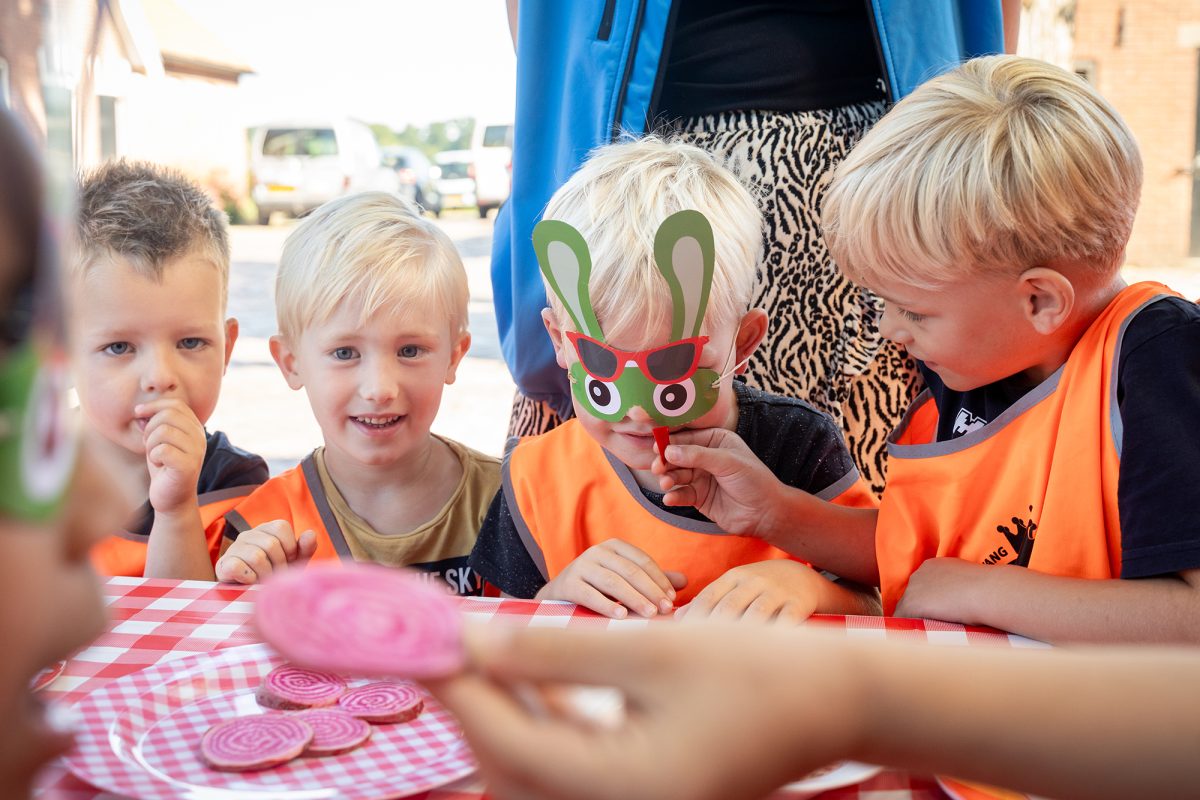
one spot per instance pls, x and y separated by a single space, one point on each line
285 357
556 336
456 356
751 332
1047 299
231 334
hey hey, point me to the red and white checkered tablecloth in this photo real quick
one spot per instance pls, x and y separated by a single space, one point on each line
153 621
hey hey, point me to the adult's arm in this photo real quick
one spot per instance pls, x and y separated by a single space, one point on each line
1095 723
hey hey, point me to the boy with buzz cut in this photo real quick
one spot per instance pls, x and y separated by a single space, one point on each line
148 288
649 254
1043 483
372 306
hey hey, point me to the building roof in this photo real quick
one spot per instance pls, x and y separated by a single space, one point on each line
188 47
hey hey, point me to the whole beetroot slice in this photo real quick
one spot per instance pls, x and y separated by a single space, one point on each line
289 688
255 742
334 732
383 702
361 619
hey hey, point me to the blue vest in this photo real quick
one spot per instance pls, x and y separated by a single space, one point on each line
588 70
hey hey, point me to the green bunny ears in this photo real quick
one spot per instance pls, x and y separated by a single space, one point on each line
683 253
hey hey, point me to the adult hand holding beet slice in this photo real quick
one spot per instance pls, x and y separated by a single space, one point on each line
361 619
258 741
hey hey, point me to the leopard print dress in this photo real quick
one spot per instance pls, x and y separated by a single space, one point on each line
823 345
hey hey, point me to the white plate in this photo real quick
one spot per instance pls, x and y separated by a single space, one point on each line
140 736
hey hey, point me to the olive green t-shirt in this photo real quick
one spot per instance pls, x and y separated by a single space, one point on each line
439 547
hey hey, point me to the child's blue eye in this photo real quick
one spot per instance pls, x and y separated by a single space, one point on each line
117 348
344 353
410 351
191 343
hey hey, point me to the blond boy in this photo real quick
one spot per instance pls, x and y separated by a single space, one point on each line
372 306
1043 485
580 517
148 289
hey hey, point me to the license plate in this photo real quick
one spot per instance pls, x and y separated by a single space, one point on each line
452 200
278 187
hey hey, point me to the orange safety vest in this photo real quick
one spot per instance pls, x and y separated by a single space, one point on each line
566 493
298 497
124 553
1037 486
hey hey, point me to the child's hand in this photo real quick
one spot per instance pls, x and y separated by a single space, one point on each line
715 471
942 588
260 551
613 578
780 590
175 446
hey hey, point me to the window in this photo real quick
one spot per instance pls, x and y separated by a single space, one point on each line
497 136
108 127
1086 70
5 96
300 142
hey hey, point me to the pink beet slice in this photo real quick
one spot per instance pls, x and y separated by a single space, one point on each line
334 732
255 742
383 702
289 688
362 619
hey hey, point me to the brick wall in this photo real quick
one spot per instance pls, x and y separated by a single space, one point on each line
1145 58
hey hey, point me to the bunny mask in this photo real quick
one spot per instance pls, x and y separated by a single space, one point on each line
665 380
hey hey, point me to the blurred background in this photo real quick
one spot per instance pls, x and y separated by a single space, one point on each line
276 106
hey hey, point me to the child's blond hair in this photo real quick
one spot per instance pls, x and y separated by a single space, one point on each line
617 200
1000 165
147 215
374 250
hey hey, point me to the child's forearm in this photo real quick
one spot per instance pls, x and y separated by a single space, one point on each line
834 538
1097 724
177 547
1056 609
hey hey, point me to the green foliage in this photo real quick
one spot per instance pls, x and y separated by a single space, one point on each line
452 134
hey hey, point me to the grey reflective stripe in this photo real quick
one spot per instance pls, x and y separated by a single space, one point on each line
1115 423
840 485
228 492
514 511
968 440
237 522
683 523
315 488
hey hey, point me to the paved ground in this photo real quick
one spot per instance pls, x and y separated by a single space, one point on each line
260 412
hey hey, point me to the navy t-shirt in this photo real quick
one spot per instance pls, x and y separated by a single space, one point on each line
1158 394
802 446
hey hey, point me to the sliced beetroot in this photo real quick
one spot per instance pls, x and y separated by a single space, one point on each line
289 688
383 702
334 732
259 741
362 619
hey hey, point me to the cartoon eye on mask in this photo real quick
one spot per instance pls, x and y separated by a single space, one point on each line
604 396
664 381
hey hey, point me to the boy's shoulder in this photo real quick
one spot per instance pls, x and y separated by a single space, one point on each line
762 412
226 464
278 495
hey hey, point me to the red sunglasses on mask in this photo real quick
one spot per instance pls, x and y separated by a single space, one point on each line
670 363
